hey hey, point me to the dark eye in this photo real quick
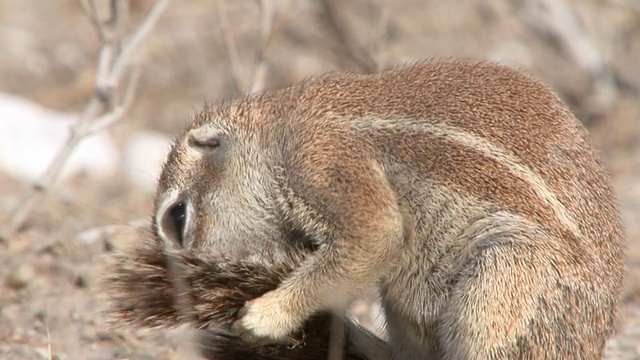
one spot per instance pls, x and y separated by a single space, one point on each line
178 215
175 220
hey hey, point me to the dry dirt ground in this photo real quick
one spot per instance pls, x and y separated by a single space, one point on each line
50 299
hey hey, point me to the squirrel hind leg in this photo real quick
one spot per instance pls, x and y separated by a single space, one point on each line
518 299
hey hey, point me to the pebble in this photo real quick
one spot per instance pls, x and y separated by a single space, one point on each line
20 277
81 281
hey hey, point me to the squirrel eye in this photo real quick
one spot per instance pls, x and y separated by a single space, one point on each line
178 215
174 222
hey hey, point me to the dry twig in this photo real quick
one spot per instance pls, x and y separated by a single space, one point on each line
107 104
258 75
380 15
336 339
347 49
267 15
231 48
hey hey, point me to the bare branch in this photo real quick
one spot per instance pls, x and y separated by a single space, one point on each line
89 8
101 109
121 21
267 15
378 32
231 47
350 51
117 112
134 43
337 339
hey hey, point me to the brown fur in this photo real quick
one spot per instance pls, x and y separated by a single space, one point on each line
466 191
142 293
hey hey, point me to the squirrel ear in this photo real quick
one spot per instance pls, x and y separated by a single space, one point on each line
213 144
205 138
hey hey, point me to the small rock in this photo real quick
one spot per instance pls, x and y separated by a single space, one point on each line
104 336
81 281
21 277
41 315
42 353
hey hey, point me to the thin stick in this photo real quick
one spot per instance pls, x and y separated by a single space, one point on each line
134 43
348 49
231 47
187 348
267 14
117 112
379 29
49 349
89 8
336 341
100 110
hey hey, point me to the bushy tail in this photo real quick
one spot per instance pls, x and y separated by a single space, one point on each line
143 286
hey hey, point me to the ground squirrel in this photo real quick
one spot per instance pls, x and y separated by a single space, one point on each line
465 191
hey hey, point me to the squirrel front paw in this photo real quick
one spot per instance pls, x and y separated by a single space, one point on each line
265 320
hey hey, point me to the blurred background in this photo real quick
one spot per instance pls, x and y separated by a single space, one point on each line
205 51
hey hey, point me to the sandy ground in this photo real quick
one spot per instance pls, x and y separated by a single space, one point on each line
51 303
